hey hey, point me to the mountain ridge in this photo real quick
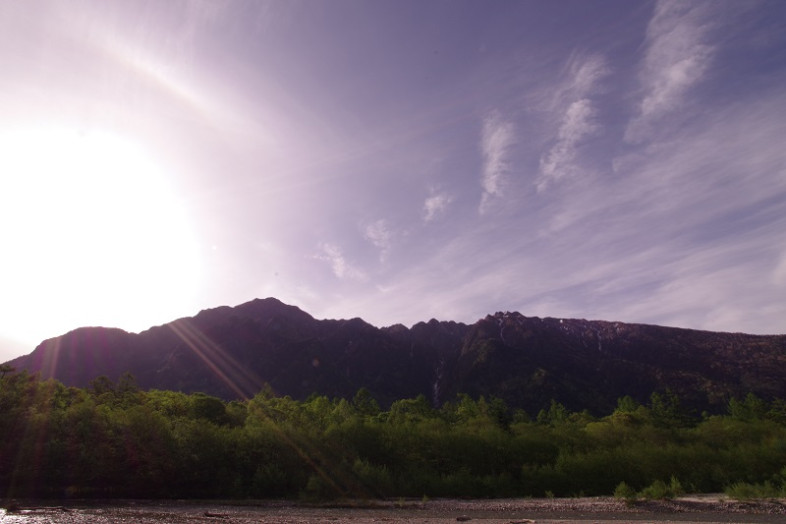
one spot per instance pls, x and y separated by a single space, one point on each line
232 352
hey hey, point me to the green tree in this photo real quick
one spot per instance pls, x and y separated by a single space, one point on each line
626 404
777 411
749 409
556 414
365 404
208 408
101 385
666 410
410 410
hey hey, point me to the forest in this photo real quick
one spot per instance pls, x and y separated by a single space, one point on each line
114 440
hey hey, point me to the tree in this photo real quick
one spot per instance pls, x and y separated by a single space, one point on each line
749 409
365 404
101 385
626 404
208 408
410 409
666 410
777 411
499 412
127 384
556 414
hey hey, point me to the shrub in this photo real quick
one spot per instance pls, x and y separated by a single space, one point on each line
625 492
747 491
675 487
659 490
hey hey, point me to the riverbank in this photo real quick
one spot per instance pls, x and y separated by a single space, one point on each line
704 508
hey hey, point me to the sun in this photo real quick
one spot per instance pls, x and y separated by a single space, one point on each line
92 232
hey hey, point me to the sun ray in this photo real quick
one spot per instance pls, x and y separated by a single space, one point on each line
231 373
245 385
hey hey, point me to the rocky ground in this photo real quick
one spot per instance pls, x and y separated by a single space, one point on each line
706 509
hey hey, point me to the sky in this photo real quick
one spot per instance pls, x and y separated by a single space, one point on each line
392 160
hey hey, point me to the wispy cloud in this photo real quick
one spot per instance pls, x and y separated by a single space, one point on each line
496 139
677 58
586 74
577 120
380 234
333 255
577 124
435 205
695 289
706 208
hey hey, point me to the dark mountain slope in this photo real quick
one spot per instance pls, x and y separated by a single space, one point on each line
589 364
233 351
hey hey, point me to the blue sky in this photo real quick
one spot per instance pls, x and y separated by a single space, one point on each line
392 160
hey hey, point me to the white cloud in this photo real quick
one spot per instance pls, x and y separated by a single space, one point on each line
677 58
435 205
690 234
333 255
380 234
577 120
496 139
586 72
578 123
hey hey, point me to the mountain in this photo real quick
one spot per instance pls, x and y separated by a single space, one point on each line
232 352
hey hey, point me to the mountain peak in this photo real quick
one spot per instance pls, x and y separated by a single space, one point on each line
527 361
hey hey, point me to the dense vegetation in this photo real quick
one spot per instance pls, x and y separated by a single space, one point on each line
113 440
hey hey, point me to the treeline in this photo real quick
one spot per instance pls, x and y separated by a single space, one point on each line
113 440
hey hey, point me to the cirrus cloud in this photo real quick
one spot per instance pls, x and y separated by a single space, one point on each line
342 269
677 58
380 234
577 118
435 205
497 137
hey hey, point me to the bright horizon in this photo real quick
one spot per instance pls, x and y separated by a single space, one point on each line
394 160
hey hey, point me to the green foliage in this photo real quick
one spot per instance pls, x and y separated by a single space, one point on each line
625 492
659 490
410 410
113 440
666 410
6 369
777 411
208 408
746 491
751 408
556 414
365 404
675 487
774 487
627 405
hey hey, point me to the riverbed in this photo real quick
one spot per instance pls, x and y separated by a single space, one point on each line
509 511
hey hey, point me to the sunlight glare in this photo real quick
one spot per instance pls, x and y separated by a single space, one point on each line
91 233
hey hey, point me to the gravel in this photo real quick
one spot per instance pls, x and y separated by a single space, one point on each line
705 509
